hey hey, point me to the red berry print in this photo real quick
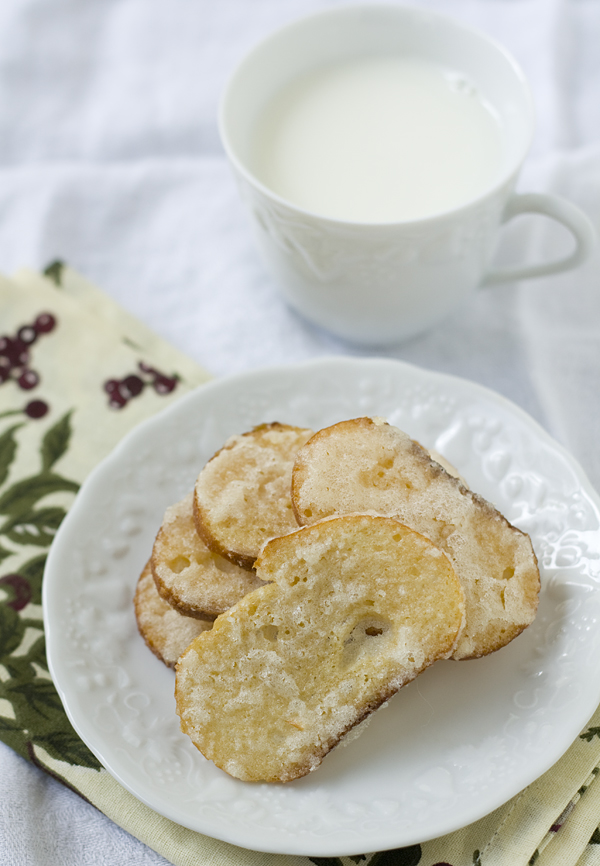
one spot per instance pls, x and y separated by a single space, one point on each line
164 384
28 379
21 590
36 409
131 386
121 391
44 323
27 335
117 401
111 386
15 352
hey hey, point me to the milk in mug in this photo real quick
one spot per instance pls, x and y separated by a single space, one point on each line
380 139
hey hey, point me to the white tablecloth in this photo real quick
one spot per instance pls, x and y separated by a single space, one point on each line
110 159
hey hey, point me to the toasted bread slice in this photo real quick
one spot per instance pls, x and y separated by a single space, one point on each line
367 465
189 576
242 495
357 607
166 632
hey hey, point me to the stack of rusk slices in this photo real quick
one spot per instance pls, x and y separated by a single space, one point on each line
309 576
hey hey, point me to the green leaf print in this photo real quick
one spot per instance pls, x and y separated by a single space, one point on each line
65 745
32 572
595 838
336 861
8 449
37 717
56 442
53 733
22 670
54 271
11 631
40 698
589 735
397 857
35 527
23 495
9 726
25 666
40 718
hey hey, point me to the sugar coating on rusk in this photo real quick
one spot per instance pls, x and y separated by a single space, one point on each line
166 632
242 495
367 465
356 607
189 576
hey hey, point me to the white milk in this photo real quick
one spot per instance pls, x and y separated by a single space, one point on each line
378 140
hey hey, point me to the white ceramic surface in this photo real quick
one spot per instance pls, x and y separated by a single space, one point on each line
380 283
450 747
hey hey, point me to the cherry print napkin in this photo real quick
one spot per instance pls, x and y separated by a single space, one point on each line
76 373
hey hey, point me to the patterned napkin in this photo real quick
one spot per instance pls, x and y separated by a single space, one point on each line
76 373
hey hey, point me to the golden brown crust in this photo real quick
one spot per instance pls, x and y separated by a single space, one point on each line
365 464
354 607
241 497
166 632
189 576
240 558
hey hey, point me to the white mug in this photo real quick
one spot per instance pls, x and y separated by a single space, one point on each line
377 283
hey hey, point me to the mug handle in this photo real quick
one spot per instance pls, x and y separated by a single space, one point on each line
563 212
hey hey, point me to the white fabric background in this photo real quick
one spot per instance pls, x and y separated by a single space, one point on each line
110 159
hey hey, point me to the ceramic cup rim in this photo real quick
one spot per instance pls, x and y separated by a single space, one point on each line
437 19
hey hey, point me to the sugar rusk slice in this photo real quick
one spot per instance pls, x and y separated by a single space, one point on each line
189 576
367 465
242 495
356 608
166 632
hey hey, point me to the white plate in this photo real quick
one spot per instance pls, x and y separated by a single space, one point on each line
453 745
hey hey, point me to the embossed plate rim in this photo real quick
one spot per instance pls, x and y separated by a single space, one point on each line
323 814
